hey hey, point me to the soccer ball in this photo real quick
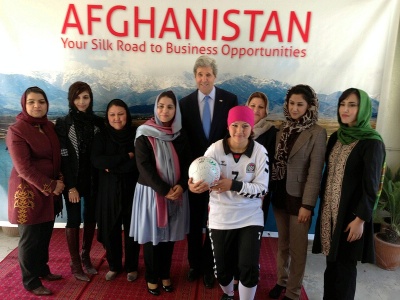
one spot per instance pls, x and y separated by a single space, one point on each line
204 168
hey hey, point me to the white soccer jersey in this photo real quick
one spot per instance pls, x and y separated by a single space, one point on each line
250 175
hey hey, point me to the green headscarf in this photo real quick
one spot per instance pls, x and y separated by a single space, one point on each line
362 130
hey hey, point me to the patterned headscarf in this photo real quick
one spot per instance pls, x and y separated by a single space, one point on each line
291 126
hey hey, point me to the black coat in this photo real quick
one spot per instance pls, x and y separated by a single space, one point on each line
117 186
146 163
360 185
69 158
191 120
267 139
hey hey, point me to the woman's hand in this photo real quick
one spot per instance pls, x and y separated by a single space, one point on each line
73 195
222 185
131 155
356 229
59 187
304 215
198 187
175 192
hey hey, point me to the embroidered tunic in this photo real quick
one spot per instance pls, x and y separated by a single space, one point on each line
32 177
337 163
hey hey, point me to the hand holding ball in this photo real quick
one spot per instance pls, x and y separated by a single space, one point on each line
204 168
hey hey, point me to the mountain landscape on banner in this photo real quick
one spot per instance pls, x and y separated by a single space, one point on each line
139 92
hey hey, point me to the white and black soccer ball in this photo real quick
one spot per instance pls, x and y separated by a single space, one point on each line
204 168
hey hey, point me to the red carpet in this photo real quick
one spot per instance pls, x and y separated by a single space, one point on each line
69 288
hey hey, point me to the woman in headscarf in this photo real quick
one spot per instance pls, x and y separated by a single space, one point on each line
354 162
113 155
296 177
160 214
264 133
75 132
34 188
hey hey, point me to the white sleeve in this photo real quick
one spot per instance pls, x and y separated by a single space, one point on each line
210 152
259 186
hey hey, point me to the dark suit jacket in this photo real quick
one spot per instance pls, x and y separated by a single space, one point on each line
191 120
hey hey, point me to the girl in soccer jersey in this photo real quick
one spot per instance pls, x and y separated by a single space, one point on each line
235 214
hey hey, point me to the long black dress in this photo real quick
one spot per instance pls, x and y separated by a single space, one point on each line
115 197
361 178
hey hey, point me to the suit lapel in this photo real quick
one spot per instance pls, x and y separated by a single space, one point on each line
218 114
196 110
301 140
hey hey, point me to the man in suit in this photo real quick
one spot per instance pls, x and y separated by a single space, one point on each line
204 126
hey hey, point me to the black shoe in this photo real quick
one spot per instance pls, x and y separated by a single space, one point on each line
193 274
226 297
168 288
132 276
154 292
52 277
41 291
286 298
208 281
276 291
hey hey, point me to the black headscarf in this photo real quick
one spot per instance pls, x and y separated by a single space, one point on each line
126 135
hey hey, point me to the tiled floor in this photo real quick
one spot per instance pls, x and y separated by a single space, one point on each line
373 283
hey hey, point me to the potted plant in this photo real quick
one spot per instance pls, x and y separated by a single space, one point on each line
387 242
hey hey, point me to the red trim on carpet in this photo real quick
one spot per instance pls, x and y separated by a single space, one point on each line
70 288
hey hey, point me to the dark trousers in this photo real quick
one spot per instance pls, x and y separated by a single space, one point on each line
157 260
340 279
237 249
33 252
200 254
75 211
116 243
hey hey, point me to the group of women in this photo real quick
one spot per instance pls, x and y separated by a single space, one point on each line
118 176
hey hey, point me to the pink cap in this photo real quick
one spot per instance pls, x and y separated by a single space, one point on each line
241 113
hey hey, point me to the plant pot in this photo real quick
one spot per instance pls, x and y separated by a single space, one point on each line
384 226
387 254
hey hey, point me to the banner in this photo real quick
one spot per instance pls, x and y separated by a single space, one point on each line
134 49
